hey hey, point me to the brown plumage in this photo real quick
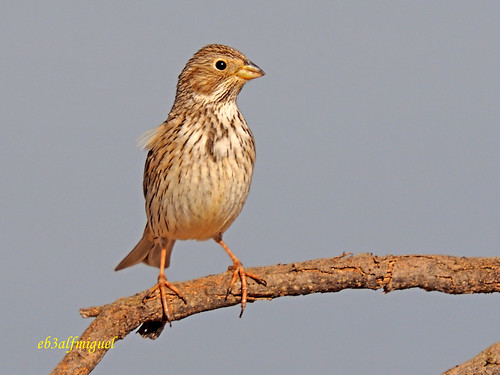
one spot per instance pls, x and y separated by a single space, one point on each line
199 165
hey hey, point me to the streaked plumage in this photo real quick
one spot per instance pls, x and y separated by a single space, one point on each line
200 161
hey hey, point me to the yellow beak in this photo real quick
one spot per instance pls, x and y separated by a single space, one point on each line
250 71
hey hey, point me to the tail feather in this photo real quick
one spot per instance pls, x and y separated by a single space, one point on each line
148 251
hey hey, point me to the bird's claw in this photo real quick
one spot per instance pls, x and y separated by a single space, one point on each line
239 271
162 285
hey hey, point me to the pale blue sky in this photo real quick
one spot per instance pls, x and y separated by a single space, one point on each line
377 130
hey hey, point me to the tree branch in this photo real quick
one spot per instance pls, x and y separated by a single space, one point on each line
486 363
447 274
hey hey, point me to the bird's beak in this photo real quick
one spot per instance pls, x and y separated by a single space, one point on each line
250 71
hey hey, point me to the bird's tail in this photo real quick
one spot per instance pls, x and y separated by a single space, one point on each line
148 251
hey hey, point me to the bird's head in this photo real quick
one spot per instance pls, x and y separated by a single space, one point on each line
216 73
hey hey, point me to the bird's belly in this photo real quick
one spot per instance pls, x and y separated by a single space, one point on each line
204 202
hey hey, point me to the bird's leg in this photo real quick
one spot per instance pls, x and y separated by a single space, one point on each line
163 284
238 270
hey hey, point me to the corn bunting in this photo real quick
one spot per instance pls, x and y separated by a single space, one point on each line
199 165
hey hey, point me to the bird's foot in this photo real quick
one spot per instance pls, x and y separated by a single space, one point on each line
162 285
239 271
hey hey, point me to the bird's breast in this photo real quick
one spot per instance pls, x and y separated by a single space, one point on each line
207 179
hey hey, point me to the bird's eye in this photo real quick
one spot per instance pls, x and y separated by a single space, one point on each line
221 65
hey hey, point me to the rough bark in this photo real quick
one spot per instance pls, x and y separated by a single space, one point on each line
485 363
446 274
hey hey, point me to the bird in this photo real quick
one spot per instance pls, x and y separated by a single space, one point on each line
199 166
